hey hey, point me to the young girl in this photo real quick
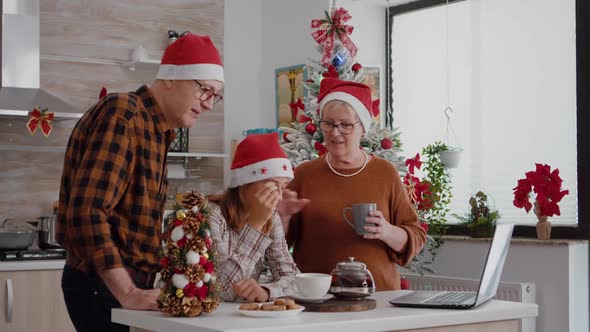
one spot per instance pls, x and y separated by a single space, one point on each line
245 226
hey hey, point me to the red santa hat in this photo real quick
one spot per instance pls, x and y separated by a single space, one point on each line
355 94
191 57
259 157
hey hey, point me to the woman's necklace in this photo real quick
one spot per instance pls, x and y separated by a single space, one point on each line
347 175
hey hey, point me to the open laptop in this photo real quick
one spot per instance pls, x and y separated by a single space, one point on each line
488 283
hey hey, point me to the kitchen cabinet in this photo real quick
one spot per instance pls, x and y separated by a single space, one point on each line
36 301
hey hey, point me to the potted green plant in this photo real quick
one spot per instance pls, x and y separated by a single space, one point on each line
481 219
439 178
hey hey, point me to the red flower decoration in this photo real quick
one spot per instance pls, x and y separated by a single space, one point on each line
546 186
178 270
356 67
190 289
414 163
164 261
203 261
209 268
202 292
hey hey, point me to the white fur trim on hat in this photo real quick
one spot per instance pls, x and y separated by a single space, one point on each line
200 71
262 170
360 109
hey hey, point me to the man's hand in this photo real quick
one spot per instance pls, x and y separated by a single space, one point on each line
121 286
251 291
262 205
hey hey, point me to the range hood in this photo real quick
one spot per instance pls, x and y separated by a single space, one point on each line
20 76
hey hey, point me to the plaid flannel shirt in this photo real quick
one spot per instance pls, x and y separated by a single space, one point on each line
240 255
114 184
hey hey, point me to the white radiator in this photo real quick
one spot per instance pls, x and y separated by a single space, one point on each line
507 291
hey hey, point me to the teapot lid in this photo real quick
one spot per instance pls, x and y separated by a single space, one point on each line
351 265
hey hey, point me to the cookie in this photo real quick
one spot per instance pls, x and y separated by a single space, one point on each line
249 306
285 302
293 306
273 307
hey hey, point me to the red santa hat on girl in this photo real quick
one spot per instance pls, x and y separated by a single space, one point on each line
191 57
259 157
355 94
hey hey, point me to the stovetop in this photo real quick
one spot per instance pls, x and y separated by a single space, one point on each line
31 254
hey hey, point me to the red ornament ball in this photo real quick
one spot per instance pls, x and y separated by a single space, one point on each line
356 67
386 143
285 137
311 128
404 283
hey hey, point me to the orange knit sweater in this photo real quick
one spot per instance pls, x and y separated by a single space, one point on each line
322 238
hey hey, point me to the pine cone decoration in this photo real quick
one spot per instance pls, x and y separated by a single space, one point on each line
170 306
196 244
195 273
191 199
192 225
192 307
209 306
166 273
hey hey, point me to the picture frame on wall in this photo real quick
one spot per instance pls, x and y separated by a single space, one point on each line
288 89
373 79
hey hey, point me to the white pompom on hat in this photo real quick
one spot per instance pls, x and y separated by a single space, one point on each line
259 157
357 95
191 57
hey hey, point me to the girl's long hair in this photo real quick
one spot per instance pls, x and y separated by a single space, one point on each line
233 209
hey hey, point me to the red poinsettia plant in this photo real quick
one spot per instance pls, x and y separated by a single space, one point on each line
545 186
418 191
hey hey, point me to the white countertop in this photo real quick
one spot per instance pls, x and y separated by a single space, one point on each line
384 317
49 264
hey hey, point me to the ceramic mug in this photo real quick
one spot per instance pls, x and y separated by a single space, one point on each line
359 212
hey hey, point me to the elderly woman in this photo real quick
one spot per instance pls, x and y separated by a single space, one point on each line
313 203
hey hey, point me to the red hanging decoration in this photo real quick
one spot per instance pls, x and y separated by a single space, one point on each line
330 27
103 93
40 118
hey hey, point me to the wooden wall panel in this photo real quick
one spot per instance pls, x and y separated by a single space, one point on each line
103 30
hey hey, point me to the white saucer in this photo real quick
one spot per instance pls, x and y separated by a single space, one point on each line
300 298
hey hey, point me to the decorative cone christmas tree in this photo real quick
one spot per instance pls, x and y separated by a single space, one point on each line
302 140
188 283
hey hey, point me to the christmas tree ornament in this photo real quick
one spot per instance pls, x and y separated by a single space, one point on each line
311 128
183 290
339 59
356 67
40 118
331 27
404 283
386 143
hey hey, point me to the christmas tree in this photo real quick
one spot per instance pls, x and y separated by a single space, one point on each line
302 141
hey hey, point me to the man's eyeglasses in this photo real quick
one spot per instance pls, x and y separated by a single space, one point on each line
344 128
207 94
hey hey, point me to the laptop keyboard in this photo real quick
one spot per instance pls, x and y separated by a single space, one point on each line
451 298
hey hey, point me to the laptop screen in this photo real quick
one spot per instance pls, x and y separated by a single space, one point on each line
495 262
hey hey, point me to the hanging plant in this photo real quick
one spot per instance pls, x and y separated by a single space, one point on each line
440 186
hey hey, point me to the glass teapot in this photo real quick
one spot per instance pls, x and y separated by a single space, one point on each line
352 280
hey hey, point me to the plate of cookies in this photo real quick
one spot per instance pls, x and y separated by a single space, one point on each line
280 308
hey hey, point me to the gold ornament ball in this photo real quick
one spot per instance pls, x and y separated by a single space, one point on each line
206 255
180 215
179 293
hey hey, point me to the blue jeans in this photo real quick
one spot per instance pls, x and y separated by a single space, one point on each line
89 302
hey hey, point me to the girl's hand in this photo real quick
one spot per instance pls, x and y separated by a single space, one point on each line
251 291
263 204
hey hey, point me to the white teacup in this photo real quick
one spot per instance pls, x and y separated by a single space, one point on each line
313 284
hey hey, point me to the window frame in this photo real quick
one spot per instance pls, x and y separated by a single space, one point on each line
582 229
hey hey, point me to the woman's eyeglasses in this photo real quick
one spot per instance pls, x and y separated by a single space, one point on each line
344 128
207 94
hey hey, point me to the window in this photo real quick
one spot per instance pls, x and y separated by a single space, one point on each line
513 89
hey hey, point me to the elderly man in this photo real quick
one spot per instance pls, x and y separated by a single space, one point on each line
114 184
